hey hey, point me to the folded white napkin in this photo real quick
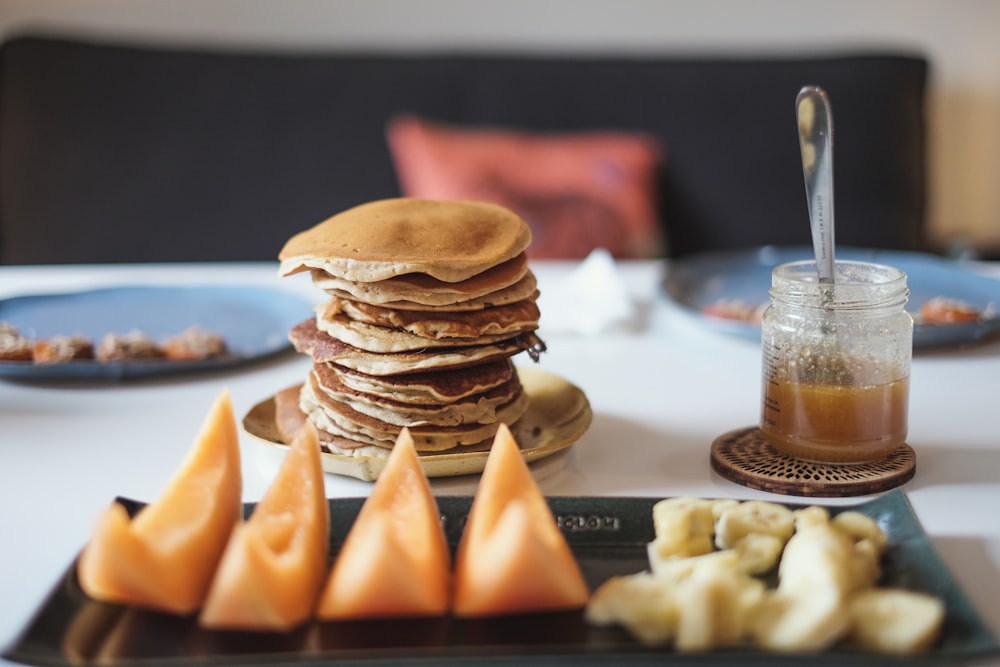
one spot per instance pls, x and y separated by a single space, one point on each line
593 298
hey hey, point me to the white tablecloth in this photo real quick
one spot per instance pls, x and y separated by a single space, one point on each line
661 393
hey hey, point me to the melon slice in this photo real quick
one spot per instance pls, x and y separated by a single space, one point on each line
512 558
394 561
274 563
165 557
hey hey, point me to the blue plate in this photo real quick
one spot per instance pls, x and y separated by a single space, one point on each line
253 321
745 275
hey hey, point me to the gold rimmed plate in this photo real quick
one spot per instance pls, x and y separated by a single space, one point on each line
558 415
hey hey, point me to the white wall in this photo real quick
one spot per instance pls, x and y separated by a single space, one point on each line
961 38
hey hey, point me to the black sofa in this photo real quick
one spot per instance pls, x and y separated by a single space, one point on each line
112 152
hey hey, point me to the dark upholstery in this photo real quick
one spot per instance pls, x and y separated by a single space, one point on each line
113 153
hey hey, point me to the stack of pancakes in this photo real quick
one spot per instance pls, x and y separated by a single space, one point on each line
428 301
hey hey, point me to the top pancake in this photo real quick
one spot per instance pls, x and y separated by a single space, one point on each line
448 240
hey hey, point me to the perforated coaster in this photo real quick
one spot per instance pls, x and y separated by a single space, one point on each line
744 457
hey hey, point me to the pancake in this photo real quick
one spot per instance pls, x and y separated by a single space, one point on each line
347 447
341 420
289 418
507 319
477 409
428 302
430 388
308 339
525 288
427 290
373 338
447 240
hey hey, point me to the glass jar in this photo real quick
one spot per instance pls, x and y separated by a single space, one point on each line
836 362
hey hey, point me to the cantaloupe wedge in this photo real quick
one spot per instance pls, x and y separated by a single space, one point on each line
274 563
512 558
394 561
165 557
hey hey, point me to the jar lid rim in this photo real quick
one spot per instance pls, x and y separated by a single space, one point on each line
846 272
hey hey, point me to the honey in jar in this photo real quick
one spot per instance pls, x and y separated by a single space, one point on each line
836 423
836 363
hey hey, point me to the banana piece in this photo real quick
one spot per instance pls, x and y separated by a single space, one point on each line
753 516
890 620
866 564
720 505
803 620
675 570
683 528
861 528
714 607
818 557
683 517
813 515
869 543
643 604
667 548
758 553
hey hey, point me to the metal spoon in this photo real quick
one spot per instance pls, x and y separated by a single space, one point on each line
816 143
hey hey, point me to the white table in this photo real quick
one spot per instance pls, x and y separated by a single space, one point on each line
660 396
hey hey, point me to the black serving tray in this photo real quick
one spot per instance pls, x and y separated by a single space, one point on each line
608 537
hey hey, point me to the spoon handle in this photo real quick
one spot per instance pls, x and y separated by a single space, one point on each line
815 122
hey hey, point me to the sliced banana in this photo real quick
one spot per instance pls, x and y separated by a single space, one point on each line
891 620
668 548
758 553
753 516
675 570
683 517
643 604
860 527
813 515
701 592
817 557
720 505
683 526
714 606
866 565
811 620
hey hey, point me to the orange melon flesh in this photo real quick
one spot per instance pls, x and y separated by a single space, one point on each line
512 558
165 557
394 561
274 563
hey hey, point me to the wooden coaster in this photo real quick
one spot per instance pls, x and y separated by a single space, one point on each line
744 457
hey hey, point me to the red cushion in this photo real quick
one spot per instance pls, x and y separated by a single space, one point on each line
577 191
